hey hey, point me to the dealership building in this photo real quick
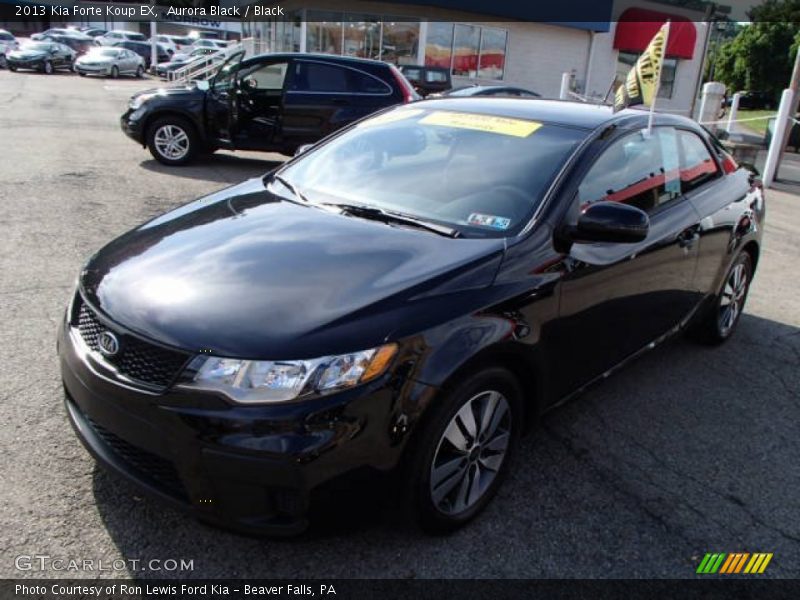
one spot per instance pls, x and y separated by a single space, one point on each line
509 43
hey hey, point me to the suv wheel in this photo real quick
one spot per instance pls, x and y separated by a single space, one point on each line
172 141
464 450
720 322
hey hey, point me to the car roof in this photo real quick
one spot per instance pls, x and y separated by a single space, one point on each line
311 56
559 112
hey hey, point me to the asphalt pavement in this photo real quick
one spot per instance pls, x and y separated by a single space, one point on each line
689 450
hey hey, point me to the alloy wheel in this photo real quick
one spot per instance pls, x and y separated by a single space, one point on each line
171 142
732 299
470 453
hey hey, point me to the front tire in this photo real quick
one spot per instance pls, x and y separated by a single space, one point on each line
463 451
720 322
172 141
114 72
139 71
3 61
47 67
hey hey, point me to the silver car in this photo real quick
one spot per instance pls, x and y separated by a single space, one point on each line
111 62
8 43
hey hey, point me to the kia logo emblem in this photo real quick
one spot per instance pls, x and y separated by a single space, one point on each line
108 343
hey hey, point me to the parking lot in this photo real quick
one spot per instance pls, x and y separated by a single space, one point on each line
690 450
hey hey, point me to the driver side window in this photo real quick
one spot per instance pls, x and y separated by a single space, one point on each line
637 169
269 77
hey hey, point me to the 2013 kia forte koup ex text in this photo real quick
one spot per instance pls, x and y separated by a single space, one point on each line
409 295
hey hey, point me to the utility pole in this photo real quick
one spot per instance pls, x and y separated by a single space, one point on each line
794 85
153 45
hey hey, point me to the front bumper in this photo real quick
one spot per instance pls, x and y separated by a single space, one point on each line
249 469
93 69
131 124
35 63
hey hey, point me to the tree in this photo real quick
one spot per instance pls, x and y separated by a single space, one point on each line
761 55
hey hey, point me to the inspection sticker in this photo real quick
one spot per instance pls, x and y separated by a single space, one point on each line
492 124
488 221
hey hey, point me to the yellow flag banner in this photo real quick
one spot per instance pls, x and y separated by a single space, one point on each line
641 84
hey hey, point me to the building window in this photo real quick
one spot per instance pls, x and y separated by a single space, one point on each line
439 45
493 53
365 36
362 36
400 42
467 50
625 62
287 34
324 32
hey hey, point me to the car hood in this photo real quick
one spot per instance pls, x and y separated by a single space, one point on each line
26 54
245 273
180 90
95 59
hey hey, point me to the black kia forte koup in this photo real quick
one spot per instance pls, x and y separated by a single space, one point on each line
408 295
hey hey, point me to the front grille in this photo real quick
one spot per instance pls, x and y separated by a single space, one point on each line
147 465
136 359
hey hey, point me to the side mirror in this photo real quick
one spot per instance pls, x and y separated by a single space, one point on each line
303 149
611 222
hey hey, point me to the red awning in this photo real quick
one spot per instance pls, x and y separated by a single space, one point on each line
637 26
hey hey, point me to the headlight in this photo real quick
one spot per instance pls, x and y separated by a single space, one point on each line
253 382
137 101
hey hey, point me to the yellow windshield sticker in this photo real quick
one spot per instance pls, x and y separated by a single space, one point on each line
478 122
392 116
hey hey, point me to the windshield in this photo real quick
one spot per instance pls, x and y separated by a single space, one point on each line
103 52
483 175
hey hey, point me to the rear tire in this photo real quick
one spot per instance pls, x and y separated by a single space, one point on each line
719 323
114 72
3 61
172 141
461 454
47 67
139 71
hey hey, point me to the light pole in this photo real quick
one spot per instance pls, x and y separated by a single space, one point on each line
153 45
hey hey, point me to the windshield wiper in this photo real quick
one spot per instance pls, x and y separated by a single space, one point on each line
292 188
385 216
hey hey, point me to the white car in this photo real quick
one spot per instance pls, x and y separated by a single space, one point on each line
8 43
166 41
213 44
112 37
111 62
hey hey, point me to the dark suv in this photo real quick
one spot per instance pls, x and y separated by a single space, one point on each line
428 80
272 102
